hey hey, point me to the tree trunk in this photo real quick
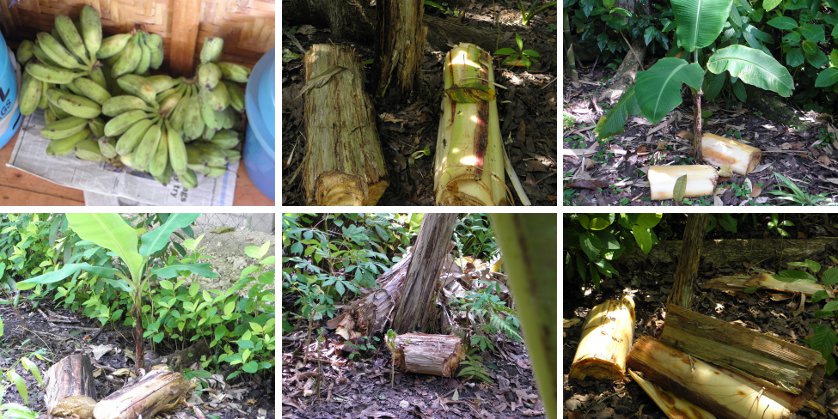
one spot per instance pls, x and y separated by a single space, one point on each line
687 270
697 125
343 164
606 339
766 360
69 387
418 310
155 392
719 391
570 57
765 280
399 49
428 354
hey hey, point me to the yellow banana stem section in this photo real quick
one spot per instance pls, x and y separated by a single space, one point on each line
528 243
468 166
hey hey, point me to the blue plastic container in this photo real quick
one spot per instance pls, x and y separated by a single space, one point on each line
260 140
10 118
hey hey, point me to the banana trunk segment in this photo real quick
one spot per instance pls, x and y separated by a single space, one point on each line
701 180
468 166
722 151
606 339
343 164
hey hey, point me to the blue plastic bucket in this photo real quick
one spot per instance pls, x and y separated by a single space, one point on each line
260 140
10 118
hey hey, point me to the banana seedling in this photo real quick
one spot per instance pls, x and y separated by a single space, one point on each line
657 91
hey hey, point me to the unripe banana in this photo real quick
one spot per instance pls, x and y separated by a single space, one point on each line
113 45
42 56
75 105
169 100
98 75
145 56
147 147
188 179
25 51
161 82
225 139
211 51
49 116
155 42
51 74
71 38
44 102
120 104
59 114
88 150
128 161
107 147
177 151
129 59
160 159
97 127
57 53
63 128
91 30
228 118
208 75
132 137
30 94
122 122
138 86
209 116
91 90
193 122
67 145
217 98
234 72
236 96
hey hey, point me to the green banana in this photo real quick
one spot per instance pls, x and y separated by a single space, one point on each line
234 72
30 94
91 90
128 59
42 56
236 96
147 147
98 75
43 103
49 116
188 179
211 51
155 42
107 147
160 159
71 38
91 30
170 98
209 116
122 122
59 114
120 104
208 75
132 137
193 121
57 53
138 86
51 74
225 139
177 151
97 127
67 145
75 105
63 128
113 45
162 82
88 149
528 243
145 56
25 51
218 98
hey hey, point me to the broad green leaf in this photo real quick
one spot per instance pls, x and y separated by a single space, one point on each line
794 275
830 276
648 220
809 264
813 32
614 122
63 273
658 89
155 240
30 366
643 237
699 22
831 306
17 380
823 340
783 23
257 252
752 66
794 58
203 269
769 5
113 233
251 367
596 222
590 245
819 296
827 77
713 84
1 328
680 188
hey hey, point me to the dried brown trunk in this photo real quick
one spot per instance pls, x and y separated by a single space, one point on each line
697 128
400 49
343 164
687 270
69 387
418 310
606 339
767 360
428 354
158 391
626 72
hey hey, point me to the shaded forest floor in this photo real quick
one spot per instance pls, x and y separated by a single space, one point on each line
527 106
613 171
651 282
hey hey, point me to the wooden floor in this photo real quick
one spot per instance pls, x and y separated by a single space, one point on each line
22 189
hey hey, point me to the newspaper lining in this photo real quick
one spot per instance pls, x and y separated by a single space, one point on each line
106 184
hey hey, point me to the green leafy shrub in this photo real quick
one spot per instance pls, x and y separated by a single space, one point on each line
488 315
11 377
474 237
472 368
26 246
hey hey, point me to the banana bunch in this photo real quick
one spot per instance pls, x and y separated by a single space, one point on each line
137 53
210 157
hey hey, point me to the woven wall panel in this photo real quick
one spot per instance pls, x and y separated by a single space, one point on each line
248 27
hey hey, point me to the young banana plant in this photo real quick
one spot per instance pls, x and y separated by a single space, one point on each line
657 91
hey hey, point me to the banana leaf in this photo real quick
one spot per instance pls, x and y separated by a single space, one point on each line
753 67
658 89
699 22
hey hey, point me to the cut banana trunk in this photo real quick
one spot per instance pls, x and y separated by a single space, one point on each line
701 180
606 339
722 151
